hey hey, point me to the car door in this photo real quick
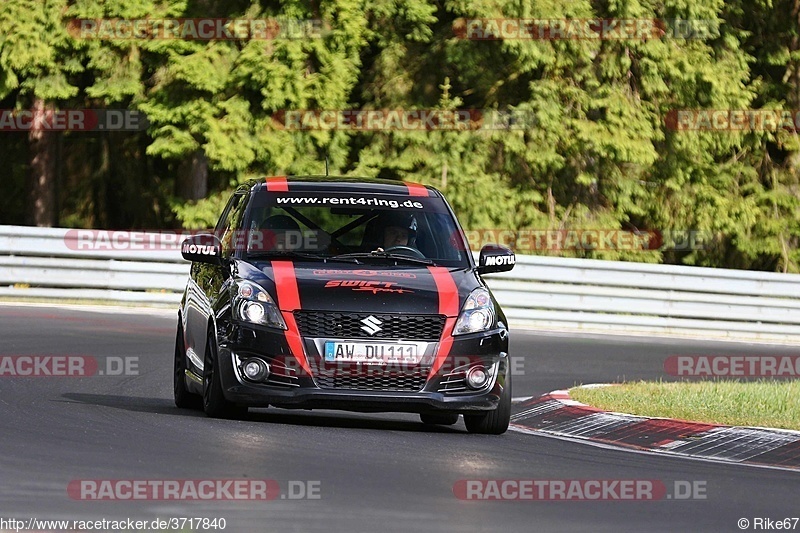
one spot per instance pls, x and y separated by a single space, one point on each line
207 281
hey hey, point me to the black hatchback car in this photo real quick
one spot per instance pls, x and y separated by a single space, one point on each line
351 294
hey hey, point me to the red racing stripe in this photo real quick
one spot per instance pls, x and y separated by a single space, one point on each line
416 189
448 292
286 285
277 184
295 342
448 306
288 300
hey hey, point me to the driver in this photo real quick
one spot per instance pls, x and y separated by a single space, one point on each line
399 229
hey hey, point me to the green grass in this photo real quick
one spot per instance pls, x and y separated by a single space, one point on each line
773 404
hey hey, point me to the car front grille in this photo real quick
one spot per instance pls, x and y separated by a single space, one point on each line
373 379
350 325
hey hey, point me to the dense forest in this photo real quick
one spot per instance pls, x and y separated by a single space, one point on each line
603 144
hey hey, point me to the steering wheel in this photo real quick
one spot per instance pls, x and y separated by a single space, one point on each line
413 252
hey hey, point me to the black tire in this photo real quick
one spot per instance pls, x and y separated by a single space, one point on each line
214 403
441 419
183 398
493 422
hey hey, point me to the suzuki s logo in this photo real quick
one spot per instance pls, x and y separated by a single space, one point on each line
371 325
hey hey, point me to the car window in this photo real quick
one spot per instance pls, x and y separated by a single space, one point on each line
337 223
228 222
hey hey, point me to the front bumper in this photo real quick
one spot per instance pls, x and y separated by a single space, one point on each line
289 386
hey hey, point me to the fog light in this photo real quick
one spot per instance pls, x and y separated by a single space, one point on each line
255 369
477 377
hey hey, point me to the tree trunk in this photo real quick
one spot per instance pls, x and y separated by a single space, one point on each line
793 68
42 147
193 177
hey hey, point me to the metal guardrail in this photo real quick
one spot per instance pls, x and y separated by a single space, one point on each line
594 295
541 292
54 263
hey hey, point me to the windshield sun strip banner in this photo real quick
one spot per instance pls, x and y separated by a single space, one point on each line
277 184
449 307
288 294
416 189
344 200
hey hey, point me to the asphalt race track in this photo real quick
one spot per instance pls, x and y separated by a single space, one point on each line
371 472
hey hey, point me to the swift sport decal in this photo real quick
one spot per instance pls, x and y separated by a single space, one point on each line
376 290
448 306
367 285
288 300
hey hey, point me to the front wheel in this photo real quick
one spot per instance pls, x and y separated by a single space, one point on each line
183 398
214 403
493 422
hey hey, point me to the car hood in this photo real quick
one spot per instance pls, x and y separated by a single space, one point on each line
360 288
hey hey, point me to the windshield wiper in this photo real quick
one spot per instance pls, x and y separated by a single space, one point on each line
292 254
385 255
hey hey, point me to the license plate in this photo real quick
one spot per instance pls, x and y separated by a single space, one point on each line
376 353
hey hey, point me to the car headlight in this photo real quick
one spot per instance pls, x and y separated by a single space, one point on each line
254 305
477 314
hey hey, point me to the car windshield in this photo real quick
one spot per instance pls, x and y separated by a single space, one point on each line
372 227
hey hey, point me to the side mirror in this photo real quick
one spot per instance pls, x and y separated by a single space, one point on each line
496 258
203 248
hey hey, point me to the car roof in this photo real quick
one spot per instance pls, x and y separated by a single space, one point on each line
341 184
